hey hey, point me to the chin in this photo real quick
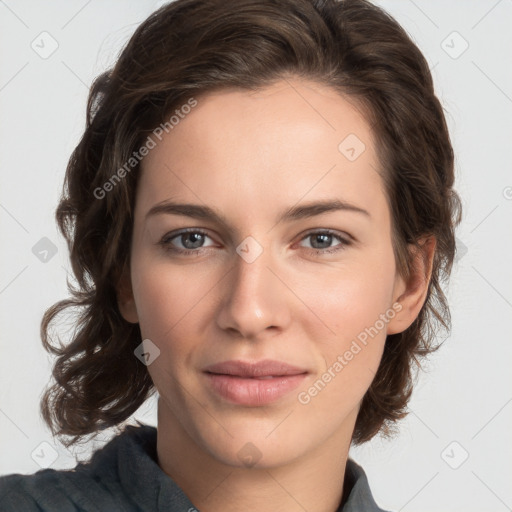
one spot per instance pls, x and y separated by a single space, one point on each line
262 444
255 454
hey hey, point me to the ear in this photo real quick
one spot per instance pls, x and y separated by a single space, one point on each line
410 294
125 300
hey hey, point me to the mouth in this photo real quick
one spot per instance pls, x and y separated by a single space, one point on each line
253 384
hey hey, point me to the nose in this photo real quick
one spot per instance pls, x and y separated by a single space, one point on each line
255 300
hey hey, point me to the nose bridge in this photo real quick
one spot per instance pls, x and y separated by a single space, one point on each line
254 299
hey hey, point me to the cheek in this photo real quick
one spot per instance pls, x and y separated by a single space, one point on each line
166 296
171 306
350 299
349 359
355 305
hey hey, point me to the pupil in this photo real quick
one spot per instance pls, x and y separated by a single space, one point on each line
326 240
196 243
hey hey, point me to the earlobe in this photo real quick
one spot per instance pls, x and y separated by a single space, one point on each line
125 299
411 293
128 311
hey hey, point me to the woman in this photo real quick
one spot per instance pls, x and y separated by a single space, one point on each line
260 214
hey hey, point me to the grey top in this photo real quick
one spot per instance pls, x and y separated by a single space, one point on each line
123 476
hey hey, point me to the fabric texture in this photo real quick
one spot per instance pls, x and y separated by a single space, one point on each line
123 476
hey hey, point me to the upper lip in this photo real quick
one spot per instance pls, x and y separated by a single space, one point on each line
264 368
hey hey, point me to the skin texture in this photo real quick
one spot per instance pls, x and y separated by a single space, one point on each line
252 155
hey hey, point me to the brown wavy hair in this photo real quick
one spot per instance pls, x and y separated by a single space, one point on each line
191 47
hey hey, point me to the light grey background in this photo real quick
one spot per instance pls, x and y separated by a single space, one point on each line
466 396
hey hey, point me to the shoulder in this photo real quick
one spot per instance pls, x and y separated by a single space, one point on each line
44 490
92 486
52 490
360 497
12 495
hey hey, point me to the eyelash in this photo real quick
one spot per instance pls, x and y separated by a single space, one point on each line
167 239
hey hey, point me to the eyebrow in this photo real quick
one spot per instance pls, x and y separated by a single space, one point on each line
294 213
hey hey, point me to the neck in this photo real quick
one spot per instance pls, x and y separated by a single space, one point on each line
312 482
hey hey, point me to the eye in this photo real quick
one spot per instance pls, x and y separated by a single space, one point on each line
191 241
321 241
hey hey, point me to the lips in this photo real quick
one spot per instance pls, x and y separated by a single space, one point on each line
253 383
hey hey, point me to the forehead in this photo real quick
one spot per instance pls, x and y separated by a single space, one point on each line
294 139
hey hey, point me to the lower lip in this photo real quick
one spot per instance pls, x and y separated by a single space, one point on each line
247 391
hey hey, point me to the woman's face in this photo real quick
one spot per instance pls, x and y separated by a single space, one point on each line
269 285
